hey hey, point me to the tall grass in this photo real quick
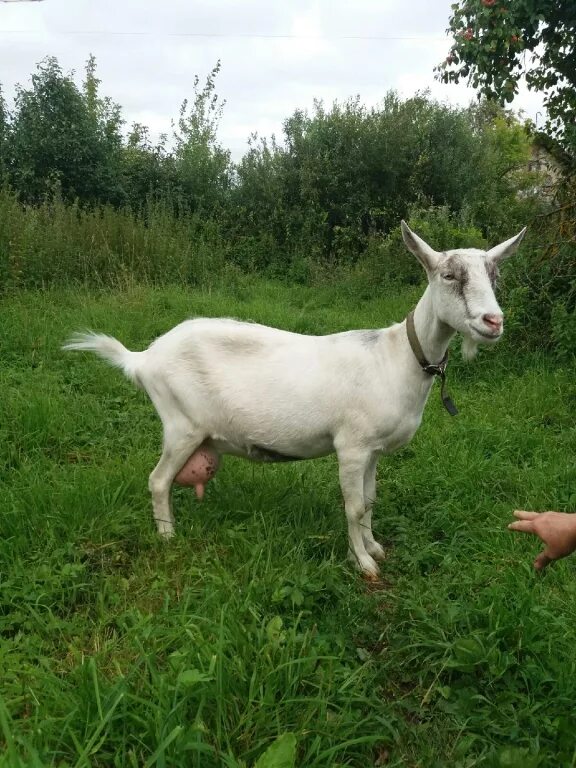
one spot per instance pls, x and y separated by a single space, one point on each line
57 244
121 650
60 244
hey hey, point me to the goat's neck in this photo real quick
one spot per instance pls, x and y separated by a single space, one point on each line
433 335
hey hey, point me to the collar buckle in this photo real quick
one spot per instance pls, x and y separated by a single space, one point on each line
436 370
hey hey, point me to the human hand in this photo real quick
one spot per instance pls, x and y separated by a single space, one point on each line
556 529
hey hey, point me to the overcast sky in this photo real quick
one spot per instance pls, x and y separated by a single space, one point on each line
276 57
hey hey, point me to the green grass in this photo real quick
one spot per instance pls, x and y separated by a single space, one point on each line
120 650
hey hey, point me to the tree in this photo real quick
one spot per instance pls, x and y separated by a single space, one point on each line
104 134
147 168
202 165
497 42
4 127
344 174
62 137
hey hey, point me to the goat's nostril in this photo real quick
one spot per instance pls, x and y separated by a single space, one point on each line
493 321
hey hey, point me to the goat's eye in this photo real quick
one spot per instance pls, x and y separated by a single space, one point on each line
449 276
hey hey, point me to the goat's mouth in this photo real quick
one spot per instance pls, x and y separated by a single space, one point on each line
486 335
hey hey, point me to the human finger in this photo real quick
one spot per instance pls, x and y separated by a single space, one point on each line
526 526
542 561
522 514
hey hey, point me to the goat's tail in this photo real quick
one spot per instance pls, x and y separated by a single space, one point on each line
110 349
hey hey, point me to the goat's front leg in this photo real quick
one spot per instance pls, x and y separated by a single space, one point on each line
373 548
353 464
176 451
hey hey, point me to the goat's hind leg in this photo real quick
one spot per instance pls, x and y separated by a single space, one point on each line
373 548
178 447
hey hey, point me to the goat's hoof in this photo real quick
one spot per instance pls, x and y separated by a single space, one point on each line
166 532
370 571
366 565
376 551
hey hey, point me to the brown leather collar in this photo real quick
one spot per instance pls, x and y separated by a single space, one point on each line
430 368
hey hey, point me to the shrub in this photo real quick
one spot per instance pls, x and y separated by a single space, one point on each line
387 259
540 287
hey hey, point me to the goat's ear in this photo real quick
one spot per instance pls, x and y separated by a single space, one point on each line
507 248
427 256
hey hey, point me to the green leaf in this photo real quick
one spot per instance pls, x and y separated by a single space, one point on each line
274 630
515 757
189 677
297 596
280 754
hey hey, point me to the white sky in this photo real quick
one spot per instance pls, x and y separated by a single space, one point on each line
148 53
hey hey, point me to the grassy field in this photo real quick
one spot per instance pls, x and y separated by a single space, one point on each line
120 650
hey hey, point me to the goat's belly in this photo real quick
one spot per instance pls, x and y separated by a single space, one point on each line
271 453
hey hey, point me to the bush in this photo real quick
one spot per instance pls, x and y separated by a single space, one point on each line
387 259
564 329
540 284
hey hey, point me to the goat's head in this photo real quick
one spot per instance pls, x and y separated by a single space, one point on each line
462 285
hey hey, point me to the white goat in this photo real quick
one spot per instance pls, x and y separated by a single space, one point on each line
270 395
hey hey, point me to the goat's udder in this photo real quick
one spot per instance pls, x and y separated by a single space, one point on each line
199 469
